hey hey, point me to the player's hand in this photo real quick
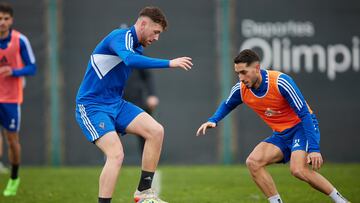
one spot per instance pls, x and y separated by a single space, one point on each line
152 102
205 126
315 159
182 62
5 71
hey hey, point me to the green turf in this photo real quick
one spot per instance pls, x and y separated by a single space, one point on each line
181 184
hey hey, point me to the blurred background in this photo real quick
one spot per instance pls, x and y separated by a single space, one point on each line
316 42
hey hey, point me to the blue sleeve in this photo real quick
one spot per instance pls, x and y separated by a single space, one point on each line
228 105
28 58
124 50
292 94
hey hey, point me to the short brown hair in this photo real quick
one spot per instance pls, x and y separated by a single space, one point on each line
155 14
6 8
247 56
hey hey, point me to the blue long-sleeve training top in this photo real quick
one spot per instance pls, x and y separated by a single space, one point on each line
110 65
289 91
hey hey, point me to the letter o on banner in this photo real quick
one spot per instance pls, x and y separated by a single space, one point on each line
263 45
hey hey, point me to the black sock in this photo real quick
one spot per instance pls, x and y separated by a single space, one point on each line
145 180
14 171
104 200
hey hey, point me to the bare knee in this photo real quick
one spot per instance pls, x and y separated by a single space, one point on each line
253 164
300 173
12 139
116 158
157 132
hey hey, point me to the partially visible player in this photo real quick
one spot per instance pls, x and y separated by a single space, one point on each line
275 97
101 111
16 61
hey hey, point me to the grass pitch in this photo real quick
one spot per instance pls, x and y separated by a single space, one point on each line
180 184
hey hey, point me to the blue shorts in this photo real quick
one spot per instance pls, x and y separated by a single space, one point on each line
96 120
292 139
10 116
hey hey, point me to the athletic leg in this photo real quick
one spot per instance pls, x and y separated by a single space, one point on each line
111 145
14 150
11 113
262 155
153 133
300 169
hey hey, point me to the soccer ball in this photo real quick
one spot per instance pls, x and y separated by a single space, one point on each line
148 201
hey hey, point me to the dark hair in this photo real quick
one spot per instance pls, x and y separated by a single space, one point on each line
155 14
6 8
247 56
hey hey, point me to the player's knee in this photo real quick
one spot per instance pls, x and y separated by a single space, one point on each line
299 172
117 158
161 131
253 164
120 158
157 132
12 140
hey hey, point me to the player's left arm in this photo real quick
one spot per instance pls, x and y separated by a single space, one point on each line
28 58
293 95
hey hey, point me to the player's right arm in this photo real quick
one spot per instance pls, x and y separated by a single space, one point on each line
119 45
223 110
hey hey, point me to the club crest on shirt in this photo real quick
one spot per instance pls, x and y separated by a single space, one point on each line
269 112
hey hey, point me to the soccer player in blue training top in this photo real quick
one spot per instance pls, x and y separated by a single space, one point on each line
16 61
102 113
275 97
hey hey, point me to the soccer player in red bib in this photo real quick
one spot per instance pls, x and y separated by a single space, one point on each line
16 61
275 97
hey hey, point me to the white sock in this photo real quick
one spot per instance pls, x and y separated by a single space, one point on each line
337 197
275 199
